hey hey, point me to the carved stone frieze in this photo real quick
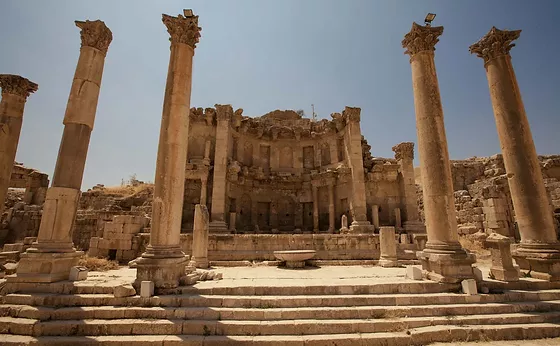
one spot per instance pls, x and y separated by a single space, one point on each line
421 38
17 85
495 43
183 29
95 34
404 150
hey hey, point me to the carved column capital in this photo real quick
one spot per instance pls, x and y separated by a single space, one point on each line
421 38
495 43
95 34
223 112
183 29
351 114
404 150
17 85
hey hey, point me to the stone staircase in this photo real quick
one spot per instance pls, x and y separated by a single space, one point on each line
377 314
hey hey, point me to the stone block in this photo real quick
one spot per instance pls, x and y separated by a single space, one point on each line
93 243
13 247
413 273
477 274
78 273
124 291
469 287
388 243
29 240
146 289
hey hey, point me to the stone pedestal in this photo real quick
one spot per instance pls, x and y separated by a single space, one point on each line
200 237
388 247
51 257
539 250
15 91
443 259
502 264
164 262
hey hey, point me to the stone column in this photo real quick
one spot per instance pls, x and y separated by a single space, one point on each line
200 237
223 117
164 262
388 247
203 190
375 215
443 259
539 249
398 219
353 139
15 91
315 209
332 226
404 154
52 256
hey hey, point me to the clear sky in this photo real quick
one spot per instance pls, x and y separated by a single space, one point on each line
266 55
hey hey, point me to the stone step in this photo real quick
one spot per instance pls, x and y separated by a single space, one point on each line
97 327
252 301
271 314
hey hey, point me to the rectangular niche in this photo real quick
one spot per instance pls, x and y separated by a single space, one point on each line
308 157
264 153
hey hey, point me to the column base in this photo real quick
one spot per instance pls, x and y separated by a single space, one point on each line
199 262
447 265
542 260
44 267
388 262
218 227
504 274
165 273
414 227
360 227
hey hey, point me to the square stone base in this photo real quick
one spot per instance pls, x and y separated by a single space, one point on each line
45 267
388 262
295 264
544 265
447 267
199 262
218 227
164 272
413 227
361 227
505 274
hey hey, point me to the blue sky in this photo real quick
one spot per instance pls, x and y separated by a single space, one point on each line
266 55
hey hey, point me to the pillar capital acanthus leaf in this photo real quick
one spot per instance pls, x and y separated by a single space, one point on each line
17 85
351 114
183 29
495 43
421 38
223 112
95 34
404 150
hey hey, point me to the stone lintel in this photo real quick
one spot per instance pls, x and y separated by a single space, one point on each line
95 34
494 44
183 29
421 38
17 85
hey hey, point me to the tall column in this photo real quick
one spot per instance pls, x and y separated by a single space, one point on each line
443 259
539 249
203 190
15 91
404 154
315 209
353 139
330 186
52 256
164 262
223 117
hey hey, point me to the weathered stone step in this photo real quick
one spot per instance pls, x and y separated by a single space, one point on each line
275 301
269 314
96 327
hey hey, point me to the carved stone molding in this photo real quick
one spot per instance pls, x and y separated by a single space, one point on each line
495 43
421 38
351 114
95 34
223 112
404 150
17 85
183 29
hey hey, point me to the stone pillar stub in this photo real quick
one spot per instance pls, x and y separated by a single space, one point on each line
443 259
164 262
200 237
388 246
539 250
15 91
502 264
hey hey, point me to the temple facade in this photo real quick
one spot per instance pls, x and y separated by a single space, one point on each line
282 173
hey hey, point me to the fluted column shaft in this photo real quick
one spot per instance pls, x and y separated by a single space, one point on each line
15 90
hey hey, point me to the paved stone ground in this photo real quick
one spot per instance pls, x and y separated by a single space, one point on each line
539 342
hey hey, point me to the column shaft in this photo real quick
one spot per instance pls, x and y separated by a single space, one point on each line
203 191
315 209
331 208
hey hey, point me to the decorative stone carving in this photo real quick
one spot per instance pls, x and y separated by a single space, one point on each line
223 112
351 114
404 150
209 113
183 29
421 38
495 43
233 171
95 34
237 117
17 85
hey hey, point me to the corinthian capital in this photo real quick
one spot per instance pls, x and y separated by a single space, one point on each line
404 150
223 112
495 43
183 29
95 34
421 38
17 85
351 114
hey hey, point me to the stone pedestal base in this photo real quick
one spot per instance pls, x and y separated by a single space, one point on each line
447 267
44 267
164 272
388 262
295 264
218 227
542 260
504 274
199 262
413 227
361 227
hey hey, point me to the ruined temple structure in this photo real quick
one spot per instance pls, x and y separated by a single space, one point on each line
282 173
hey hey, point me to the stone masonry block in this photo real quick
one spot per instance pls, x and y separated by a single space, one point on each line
413 273
78 273
469 287
146 289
